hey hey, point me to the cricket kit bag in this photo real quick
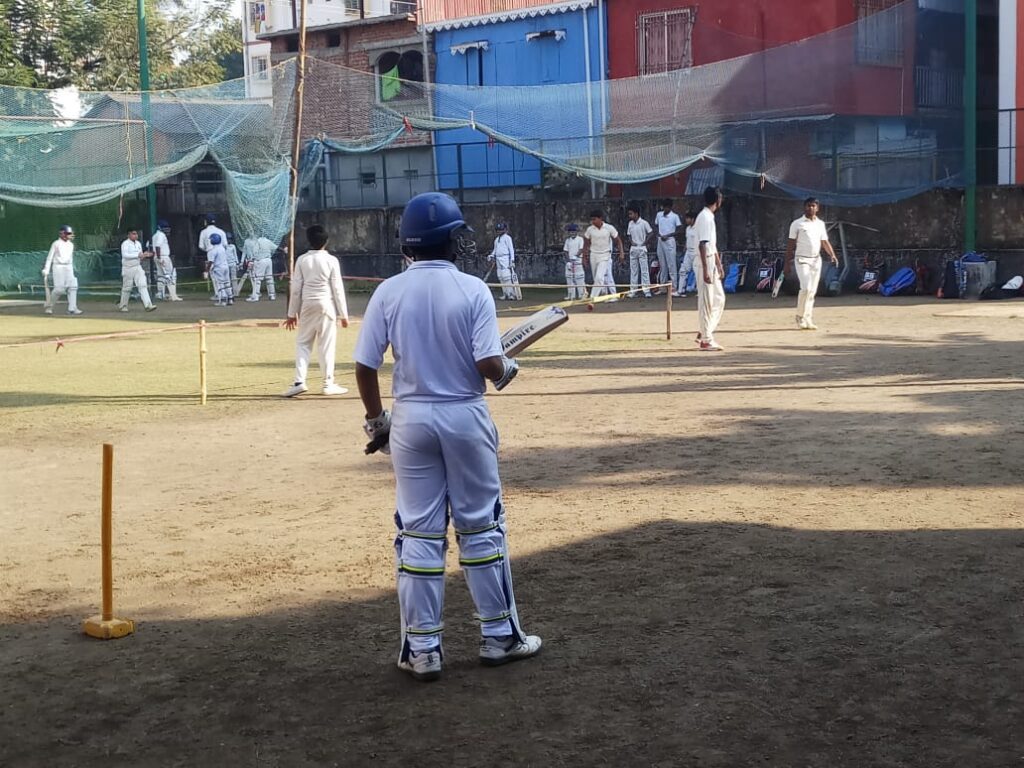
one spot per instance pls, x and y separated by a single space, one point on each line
872 278
950 288
767 270
734 277
902 281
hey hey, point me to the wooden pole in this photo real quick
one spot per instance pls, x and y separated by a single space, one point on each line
107 535
300 85
202 362
668 313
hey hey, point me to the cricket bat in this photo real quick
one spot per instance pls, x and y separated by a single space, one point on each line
777 286
515 285
46 290
533 329
487 274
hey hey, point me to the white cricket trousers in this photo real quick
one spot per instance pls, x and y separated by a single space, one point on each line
506 276
134 277
445 457
685 268
222 289
710 299
575 280
64 281
321 328
809 273
604 282
668 264
263 271
639 270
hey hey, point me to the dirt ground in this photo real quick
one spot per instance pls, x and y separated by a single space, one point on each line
805 551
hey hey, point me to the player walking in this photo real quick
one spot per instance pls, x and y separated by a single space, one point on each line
219 271
443 333
639 233
710 293
61 259
597 250
316 306
504 256
668 223
575 277
808 236
258 253
132 273
166 274
689 255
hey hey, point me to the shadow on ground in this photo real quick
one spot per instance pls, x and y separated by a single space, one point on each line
669 644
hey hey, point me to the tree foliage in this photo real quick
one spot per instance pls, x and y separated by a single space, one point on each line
94 43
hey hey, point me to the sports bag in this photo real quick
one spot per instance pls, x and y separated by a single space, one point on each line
902 280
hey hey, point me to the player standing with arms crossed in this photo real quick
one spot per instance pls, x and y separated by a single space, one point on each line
575 277
443 333
710 293
667 223
316 306
132 273
639 233
61 259
808 236
597 250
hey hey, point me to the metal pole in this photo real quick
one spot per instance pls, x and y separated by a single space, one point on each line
106 532
590 98
300 76
970 124
146 117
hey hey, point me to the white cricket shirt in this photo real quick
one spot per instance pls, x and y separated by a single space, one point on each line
317 286
204 237
808 234
160 241
601 241
706 231
217 257
574 249
438 322
638 232
667 224
691 241
503 248
61 254
259 248
131 255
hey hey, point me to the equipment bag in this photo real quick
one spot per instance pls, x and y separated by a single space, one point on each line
734 277
766 275
950 288
902 281
691 282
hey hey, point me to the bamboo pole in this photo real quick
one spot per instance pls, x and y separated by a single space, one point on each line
668 314
202 362
300 86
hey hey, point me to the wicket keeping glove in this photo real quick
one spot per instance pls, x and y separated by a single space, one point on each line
379 431
511 370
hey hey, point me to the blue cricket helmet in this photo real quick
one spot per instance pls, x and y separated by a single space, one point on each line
214 239
430 219
163 224
67 229
572 228
211 218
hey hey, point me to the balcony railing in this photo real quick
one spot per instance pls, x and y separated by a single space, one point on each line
938 88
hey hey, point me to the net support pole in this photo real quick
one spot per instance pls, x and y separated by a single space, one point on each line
970 124
105 626
668 314
202 362
300 82
147 120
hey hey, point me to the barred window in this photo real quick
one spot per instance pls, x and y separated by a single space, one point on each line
665 40
879 33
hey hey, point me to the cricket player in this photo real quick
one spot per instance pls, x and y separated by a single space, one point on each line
597 251
443 332
504 256
808 236
234 265
639 233
61 260
689 255
259 254
708 265
218 269
575 277
667 223
210 229
316 307
166 274
132 273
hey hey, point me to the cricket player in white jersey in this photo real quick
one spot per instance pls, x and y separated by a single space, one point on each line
667 223
132 273
575 276
317 304
258 253
443 333
808 236
218 270
504 256
710 293
166 274
597 250
639 233
689 255
209 230
61 261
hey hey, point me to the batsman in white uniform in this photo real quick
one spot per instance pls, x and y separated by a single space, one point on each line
132 273
639 233
209 230
667 223
258 253
316 305
504 256
575 276
689 255
597 250
808 237
166 274
710 292
61 261
443 333
218 270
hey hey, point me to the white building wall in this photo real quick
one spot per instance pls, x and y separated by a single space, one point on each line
1010 60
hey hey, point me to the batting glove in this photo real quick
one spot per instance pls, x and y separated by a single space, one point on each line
511 370
379 431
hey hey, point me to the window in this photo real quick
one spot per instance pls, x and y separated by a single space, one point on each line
474 67
257 17
879 33
353 5
292 44
400 76
368 178
334 39
665 41
260 67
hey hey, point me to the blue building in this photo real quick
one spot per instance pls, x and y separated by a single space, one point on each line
557 44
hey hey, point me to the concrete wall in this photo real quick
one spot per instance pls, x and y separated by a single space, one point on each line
926 228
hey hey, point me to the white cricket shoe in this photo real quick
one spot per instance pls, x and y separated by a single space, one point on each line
495 651
124 309
335 389
48 311
809 326
253 298
75 311
425 666
295 389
